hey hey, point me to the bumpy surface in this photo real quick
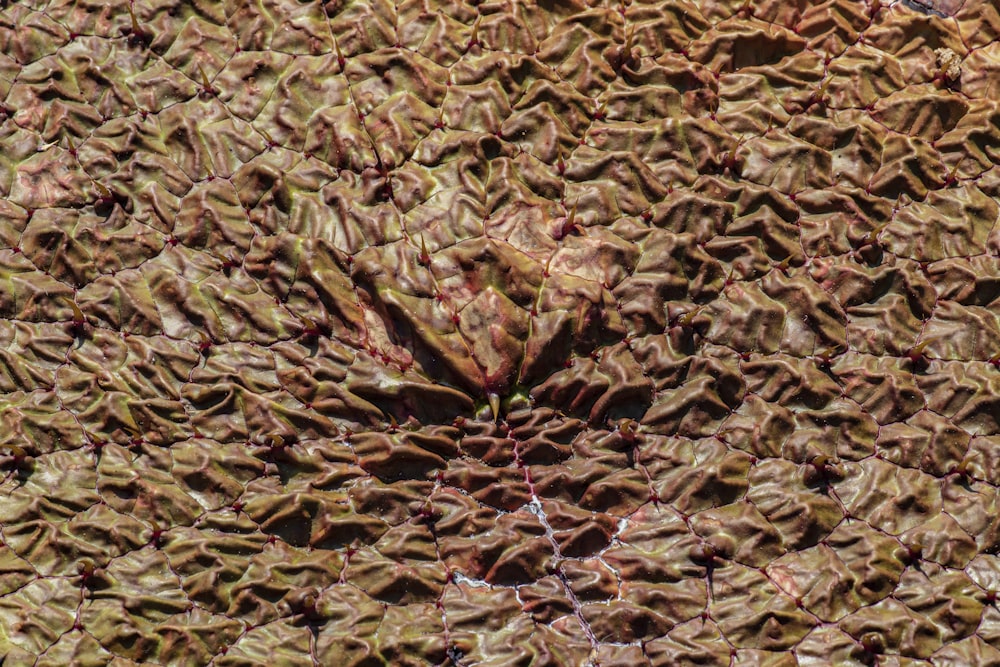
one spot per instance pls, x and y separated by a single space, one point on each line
353 333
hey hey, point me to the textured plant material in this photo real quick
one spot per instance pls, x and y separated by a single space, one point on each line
359 333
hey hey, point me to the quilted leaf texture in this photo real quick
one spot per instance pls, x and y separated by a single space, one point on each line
602 332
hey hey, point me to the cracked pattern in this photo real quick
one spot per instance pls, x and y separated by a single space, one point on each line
502 333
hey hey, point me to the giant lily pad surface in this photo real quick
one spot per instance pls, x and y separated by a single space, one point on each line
500 333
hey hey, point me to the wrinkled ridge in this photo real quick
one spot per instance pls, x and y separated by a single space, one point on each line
499 333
